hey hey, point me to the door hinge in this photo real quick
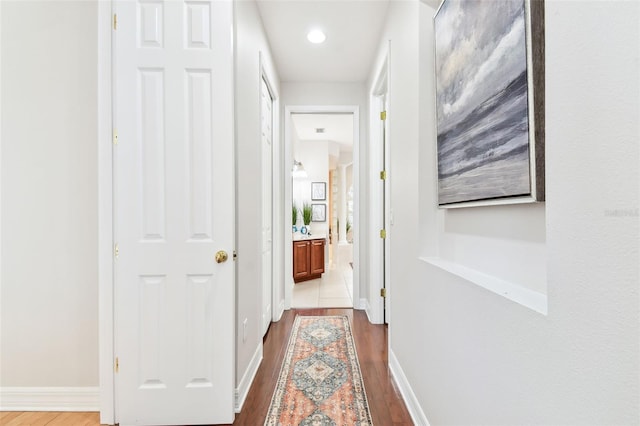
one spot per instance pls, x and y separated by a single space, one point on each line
383 115
115 21
383 175
383 233
116 251
116 365
115 136
383 292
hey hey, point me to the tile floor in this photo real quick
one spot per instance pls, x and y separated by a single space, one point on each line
333 290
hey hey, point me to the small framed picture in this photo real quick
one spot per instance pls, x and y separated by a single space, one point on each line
318 212
318 191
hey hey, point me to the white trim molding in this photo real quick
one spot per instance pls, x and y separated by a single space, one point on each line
247 379
49 399
105 216
364 305
277 222
0 169
379 265
410 400
277 315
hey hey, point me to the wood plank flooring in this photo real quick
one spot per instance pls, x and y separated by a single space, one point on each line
387 407
15 418
385 402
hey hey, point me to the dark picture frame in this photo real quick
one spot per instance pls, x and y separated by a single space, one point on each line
318 212
489 59
318 191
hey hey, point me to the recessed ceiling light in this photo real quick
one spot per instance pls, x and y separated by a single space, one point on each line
316 36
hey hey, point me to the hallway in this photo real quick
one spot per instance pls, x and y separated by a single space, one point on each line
385 402
499 314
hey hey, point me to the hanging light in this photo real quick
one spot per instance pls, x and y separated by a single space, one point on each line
298 170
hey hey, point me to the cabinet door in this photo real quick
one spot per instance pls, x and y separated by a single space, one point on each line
317 257
301 259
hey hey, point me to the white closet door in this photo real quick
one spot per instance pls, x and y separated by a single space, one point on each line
173 197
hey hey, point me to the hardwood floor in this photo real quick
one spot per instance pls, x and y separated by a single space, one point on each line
387 406
15 418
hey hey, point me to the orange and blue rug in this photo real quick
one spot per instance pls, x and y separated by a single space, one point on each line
320 382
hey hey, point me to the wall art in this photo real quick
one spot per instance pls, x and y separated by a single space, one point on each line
318 191
489 59
319 212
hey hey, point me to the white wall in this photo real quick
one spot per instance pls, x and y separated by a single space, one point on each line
314 155
400 36
333 94
251 43
505 245
472 356
49 294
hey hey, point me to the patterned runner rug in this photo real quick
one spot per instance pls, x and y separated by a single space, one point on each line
320 382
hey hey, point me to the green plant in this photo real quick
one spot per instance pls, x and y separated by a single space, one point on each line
306 213
294 214
348 225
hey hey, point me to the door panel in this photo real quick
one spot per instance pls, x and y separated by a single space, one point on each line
317 257
301 259
173 210
152 329
199 110
151 114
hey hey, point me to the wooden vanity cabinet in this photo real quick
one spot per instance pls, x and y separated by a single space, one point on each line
308 259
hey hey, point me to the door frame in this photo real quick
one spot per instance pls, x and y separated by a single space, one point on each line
105 214
285 201
106 285
377 304
277 299
0 159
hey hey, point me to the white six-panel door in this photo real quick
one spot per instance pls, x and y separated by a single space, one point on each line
173 201
266 107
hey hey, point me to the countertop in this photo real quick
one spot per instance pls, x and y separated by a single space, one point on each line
300 237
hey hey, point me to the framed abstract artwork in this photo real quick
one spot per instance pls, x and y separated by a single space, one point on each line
318 191
489 60
318 212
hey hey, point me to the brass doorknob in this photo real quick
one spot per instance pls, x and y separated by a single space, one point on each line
221 256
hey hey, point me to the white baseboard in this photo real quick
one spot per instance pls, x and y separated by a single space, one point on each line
279 311
367 308
410 400
363 305
245 383
49 399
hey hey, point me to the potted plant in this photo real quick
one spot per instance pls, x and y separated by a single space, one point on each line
306 217
294 216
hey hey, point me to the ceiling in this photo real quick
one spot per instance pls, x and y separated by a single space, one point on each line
352 27
338 128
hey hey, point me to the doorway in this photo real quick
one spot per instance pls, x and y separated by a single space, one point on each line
321 147
323 184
